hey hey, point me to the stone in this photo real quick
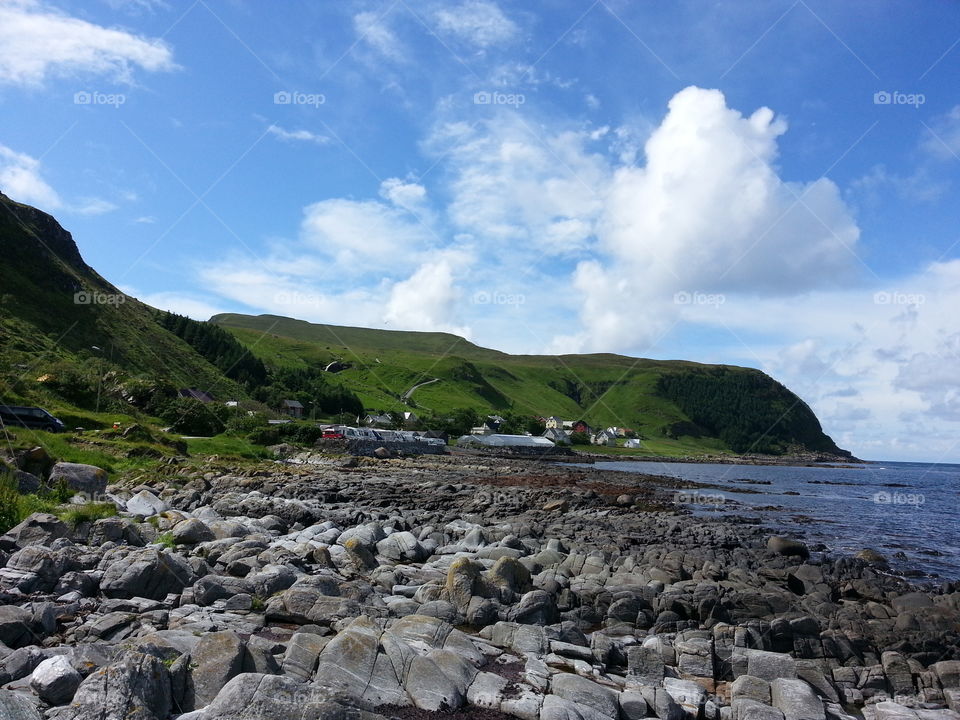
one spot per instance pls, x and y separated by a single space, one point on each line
558 708
796 700
948 672
217 658
632 705
645 663
16 626
145 572
36 529
146 503
770 665
303 650
87 479
55 681
16 706
402 547
352 665
687 694
556 506
191 532
255 696
582 691
747 709
136 687
750 688
789 547
429 688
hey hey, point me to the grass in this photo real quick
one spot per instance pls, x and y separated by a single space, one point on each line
227 446
87 513
166 539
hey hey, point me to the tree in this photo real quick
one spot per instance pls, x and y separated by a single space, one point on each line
579 438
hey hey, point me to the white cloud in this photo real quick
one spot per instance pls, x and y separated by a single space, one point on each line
182 304
145 220
297 135
20 180
94 206
478 22
37 42
428 300
373 30
943 136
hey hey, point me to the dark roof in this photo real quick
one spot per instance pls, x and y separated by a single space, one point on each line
200 395
292 404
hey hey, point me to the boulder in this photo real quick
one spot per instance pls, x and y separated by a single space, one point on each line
16 706
146 572
796 700
16 626
217 658
146 503
55 681
303 650
402 547
87 479
255 696
582 691
136 687
429 687
352 665
789 547
191 532
37 529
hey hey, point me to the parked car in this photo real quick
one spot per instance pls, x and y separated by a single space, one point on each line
333 433
33 418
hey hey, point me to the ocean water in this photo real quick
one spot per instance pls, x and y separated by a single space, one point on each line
909 512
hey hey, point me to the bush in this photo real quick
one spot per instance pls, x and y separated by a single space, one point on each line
240 423
14 507
188 416
264 436
300 433
579 438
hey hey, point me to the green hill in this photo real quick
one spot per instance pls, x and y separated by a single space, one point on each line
72 342
707 407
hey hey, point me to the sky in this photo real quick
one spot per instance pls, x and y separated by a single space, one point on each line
763 184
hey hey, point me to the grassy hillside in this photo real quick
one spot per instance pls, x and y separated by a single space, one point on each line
707 407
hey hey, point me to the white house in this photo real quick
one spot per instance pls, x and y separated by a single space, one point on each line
632 443
553 422
557 435
606 437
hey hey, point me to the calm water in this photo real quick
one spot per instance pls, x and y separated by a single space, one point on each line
906 511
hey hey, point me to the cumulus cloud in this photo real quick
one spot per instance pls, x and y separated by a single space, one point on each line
428 300
477 22
37 42
20 179
943 136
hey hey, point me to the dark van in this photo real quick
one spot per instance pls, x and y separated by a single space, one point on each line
30 417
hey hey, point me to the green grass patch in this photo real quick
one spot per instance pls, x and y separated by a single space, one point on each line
88 512
227 446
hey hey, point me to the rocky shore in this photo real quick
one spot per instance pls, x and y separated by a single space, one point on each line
361 588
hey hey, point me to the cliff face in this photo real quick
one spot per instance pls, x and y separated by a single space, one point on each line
40 235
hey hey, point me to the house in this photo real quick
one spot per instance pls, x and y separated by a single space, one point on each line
493 422
436 435
553 422
606 437
410 418
632 443
557 435
581 427
378 421
293 408
195 394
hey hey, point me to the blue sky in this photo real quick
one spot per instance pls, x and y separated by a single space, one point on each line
766 184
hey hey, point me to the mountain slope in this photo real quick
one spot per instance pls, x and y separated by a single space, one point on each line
718 406
55 309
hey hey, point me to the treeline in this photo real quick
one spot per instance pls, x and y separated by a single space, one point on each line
311 388
747 410
219 348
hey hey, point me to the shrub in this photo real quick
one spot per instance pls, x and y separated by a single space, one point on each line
300 433
264 436
240 423
188 416
579 438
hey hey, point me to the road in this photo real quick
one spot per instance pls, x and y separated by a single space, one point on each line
408 393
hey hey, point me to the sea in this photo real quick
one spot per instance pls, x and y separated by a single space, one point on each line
908 512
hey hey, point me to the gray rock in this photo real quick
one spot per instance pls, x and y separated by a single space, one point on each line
582 691
429 688
21 663
87 479
55 681
747 709
16 626
632 705
145 572
687 694
303 650
16 706
191 532
750 688
36 529
558 708
787 546
770 665
796 700
645 663
948 672
402 547
136 687
217 659
252 696
146 503
662 703
352 665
